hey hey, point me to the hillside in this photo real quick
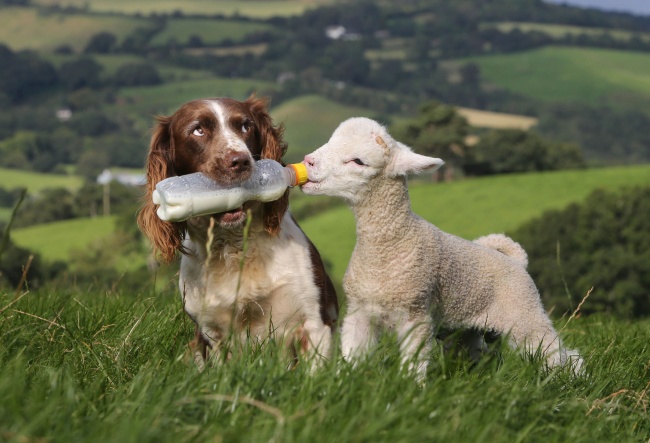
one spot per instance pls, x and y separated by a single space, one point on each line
566 74
476 207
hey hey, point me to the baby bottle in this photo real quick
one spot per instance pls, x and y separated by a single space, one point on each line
195 194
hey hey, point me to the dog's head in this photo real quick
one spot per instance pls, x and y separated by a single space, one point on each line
358 151
221 138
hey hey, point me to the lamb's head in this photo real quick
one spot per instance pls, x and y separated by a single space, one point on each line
360 151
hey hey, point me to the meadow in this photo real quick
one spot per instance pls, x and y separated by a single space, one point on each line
254 9
210 31
79 365
36 181
27 28
593 76
559 31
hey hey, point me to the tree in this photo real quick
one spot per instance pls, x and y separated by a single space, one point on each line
438 131
136 74
603 243
80 73
101 43
513 150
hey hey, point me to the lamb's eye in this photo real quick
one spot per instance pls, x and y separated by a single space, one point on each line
199 132
358 161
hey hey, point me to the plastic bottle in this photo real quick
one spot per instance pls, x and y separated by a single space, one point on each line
195 194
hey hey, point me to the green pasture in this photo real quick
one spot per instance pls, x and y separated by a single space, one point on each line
143 103
559 31
55 241
5 214
35 181
475 207
80 365
253 9
310 120
28 28
211 31
593 76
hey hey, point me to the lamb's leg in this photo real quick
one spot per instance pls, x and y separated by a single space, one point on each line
529 328
357 334
415 336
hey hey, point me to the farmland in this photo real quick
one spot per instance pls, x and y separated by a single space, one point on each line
593 76
34 181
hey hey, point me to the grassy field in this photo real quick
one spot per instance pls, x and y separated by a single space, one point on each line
310 121
559 31
594 76
496 120
254 9
84 366
143 103
26 28
209 30
55 241
476 207
35 181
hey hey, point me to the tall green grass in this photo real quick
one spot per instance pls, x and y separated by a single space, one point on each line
471 208
83 366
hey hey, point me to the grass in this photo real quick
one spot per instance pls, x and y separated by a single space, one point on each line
55 241
35 181
593 76
76 365
210 31
475 207
27 28
310 121
253 9
5 214
560 31
496 120
143 103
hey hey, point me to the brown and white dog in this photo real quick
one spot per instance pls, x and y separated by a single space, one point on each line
282 289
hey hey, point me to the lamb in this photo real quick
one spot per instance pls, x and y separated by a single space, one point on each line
407 275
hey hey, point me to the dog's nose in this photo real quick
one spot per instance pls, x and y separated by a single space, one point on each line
240 163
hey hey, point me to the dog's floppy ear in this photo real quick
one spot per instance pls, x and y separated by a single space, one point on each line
272 147
404 161
166 237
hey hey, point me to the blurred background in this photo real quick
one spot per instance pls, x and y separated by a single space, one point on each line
541 111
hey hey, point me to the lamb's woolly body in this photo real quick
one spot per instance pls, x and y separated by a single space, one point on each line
408 275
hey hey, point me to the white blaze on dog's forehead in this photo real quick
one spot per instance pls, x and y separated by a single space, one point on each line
234 141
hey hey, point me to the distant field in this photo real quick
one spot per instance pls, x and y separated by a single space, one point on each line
143 103
5 213
475 207
594 76
54 241
34 181
310 121
559 31
496 120
256 9
26 28
211 31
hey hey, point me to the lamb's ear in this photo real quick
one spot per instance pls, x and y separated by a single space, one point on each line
406 161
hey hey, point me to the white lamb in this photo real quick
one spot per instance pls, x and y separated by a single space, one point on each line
406 274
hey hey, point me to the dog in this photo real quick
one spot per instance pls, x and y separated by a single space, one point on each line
267 282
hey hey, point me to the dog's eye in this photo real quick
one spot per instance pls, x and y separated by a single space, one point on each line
199 132
245 127
358 161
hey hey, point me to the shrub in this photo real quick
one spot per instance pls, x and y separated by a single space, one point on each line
602 243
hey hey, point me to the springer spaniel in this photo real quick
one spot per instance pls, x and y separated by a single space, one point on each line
282 289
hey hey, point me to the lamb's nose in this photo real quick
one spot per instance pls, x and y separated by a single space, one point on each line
309 160
240 163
